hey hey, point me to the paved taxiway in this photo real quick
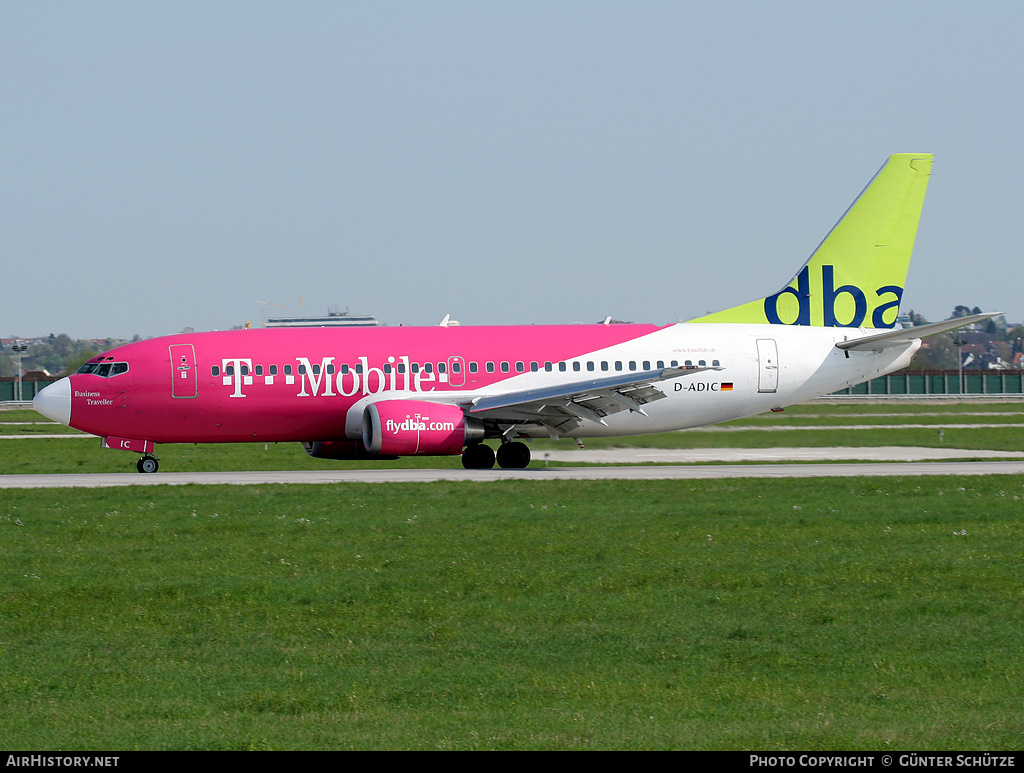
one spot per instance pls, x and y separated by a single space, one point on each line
825 454
637 472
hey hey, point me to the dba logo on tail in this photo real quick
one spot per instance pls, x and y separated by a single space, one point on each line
852 303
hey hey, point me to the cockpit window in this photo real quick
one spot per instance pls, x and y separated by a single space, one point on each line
104 369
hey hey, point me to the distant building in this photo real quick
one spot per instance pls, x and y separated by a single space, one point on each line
333 319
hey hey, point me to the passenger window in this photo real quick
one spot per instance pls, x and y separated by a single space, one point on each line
214 371
590 366
576 366
473 367
490 367
520 367
504 367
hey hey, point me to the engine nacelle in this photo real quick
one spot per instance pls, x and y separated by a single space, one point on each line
417 427
340 449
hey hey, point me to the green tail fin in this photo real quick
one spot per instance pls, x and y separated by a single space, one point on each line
856 276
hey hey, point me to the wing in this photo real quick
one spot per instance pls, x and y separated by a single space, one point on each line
562 408
906 335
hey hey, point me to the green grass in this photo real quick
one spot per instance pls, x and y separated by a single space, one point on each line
44 455
990 438
781 615
797 614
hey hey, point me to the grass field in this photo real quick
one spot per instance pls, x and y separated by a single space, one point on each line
791 614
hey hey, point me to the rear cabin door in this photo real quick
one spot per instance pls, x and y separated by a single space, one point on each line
768 365
184 378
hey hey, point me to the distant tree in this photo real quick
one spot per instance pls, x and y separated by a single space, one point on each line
55 354
936 353
61 345
1015 338
76 361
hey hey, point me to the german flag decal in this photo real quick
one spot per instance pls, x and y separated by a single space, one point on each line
726 386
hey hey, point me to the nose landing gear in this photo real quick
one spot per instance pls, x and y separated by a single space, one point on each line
148 464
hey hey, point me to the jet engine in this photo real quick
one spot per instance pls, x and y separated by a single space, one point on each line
417 427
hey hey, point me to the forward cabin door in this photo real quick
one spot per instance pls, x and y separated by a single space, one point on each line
184 378
768 365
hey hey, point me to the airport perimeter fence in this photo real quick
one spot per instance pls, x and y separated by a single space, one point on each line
1003 384
29 389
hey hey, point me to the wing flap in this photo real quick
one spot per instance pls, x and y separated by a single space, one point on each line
563 407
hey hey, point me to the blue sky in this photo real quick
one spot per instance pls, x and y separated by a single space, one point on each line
171 165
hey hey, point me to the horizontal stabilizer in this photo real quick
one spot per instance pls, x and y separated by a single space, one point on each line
881 341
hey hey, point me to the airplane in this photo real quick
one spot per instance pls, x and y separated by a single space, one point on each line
386 392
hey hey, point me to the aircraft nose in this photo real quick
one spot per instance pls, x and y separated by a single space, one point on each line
54 401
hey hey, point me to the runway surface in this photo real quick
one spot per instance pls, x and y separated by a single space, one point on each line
538 473
825 454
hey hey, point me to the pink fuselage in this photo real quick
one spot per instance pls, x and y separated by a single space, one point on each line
298 385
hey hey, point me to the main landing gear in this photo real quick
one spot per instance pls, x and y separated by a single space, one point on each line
148 464
510 456
513 456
